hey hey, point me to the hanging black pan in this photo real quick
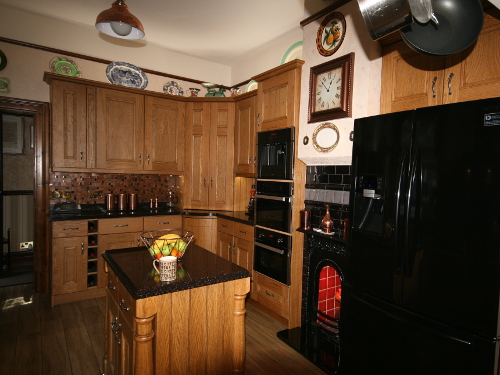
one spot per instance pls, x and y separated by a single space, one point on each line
460 23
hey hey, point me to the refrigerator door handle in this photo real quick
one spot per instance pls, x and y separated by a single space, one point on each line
399 225
412 213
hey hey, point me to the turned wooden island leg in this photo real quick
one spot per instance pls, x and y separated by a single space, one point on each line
144 364
241 290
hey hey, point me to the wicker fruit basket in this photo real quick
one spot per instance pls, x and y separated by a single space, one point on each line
166 242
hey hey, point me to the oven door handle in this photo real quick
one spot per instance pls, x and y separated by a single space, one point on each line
281 252
283 199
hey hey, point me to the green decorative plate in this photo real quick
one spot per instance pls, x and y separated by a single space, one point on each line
64 66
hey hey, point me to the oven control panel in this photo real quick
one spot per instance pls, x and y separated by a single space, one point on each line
274 239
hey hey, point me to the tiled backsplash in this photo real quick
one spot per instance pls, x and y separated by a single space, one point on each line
328 184
80 184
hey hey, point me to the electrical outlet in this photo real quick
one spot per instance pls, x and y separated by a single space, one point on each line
26 245
56 194
66 194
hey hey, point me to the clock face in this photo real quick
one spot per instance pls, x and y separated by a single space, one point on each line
328 90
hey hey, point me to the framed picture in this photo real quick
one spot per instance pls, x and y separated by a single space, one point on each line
13 139
330 89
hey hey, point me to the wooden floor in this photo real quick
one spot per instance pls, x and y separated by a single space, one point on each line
68 339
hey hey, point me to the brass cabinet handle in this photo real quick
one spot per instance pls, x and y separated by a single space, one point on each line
81 155
83 247
111 286
434 87
258 119
450 78
115 332
140 158
148 159
123 308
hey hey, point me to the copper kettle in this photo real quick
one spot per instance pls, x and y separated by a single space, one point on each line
171 200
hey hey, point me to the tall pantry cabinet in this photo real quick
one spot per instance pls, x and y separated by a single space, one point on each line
210 154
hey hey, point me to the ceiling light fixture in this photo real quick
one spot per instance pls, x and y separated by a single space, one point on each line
118 22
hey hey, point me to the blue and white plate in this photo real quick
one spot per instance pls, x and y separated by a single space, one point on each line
125 74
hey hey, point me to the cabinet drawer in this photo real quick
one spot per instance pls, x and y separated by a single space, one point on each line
71 228
127 307
122 225
162 222
225 226
113 285
243 231
271 294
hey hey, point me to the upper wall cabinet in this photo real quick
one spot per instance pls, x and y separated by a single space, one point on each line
104 128
245 136
71 125
412 80
278 101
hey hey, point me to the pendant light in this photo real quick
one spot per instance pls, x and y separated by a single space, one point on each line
118 22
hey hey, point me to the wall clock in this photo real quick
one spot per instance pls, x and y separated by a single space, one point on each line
331 34
330 89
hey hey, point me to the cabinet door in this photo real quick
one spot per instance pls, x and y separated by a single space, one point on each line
243 253
410 79
69 125
474 73
278 98
69 265
164 135
120 130
224 245
112 336
203 229
245 151
221 175
198 154
127 349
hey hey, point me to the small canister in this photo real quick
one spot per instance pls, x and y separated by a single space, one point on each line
110 202
305 219
121 201
132 201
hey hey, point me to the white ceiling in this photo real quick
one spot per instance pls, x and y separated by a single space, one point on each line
216 30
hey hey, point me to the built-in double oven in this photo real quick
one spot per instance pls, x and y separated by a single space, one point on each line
273 205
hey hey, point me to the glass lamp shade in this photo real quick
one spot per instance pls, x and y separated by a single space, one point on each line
118 22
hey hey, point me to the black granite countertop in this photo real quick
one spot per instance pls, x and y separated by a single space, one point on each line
198 267
96 211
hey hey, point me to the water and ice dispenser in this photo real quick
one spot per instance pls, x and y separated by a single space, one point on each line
369 204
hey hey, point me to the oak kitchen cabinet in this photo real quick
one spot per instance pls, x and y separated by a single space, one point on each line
203 228
412 80
210 155
77 267
74 262
102 127
235 242
245 135
278 99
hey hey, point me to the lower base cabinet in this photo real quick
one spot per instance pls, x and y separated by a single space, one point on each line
203 228
195 331
271 294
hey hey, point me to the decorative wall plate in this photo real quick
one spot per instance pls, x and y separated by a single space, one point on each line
125 74
173 88
293 52
252 85
3 60
64 66
331 34
326 137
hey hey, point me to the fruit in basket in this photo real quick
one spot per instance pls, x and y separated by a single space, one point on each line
181 246
166 250
171 237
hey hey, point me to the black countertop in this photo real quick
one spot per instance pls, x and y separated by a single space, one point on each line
96 211
134 268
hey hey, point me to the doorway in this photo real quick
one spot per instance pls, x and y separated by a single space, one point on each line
36 114
18 212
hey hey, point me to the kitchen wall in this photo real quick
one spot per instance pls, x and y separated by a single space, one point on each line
365 89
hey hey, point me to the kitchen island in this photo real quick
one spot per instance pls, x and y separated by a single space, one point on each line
193 325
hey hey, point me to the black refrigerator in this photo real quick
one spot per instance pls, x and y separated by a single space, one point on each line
422 280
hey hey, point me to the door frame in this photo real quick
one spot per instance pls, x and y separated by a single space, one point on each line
40 111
